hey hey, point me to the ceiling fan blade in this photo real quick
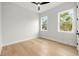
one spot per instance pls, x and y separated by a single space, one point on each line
44 3
35 3
41 3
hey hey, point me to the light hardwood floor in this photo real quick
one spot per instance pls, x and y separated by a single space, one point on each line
0 51
39 47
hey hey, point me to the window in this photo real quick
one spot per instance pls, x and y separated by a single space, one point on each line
44 22
66 21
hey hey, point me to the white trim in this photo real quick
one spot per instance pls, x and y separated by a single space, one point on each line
19 41
53 39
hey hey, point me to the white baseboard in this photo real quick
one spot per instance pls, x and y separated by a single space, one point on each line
19 41
46 37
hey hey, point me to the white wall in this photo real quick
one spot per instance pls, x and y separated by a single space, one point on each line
78 27
18 23
52 33
0 28
0 25
78 16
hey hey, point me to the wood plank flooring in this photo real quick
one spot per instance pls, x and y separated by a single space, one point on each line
0 51
39 47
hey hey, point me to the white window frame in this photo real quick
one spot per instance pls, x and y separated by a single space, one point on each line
73 21
41 22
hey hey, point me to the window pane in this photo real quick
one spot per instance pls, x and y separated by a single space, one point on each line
44 23
65 20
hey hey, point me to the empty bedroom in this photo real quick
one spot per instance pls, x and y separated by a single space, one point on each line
39 28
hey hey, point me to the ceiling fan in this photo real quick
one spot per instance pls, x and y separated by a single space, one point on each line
39 4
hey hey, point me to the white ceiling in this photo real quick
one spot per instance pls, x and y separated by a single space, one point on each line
49 6
34 7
